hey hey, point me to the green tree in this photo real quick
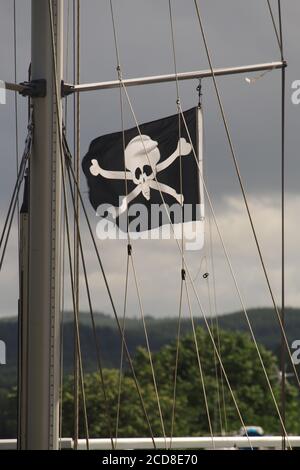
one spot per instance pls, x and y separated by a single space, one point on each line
102 413
244 373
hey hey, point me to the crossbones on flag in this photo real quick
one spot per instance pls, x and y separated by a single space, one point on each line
141 179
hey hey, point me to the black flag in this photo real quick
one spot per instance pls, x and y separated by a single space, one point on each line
153 167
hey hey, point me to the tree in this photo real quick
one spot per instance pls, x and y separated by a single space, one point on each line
244 373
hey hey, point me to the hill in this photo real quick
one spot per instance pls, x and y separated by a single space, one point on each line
161 332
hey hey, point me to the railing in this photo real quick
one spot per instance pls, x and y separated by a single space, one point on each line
232 442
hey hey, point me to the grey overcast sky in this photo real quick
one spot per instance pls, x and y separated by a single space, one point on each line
239 32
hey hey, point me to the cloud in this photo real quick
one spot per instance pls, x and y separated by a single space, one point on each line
238 237
253 114
158 264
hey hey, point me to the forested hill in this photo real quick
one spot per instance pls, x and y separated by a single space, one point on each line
161 331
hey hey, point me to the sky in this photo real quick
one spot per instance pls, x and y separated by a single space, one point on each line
239 32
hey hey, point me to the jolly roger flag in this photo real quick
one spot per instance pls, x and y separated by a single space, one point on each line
132 180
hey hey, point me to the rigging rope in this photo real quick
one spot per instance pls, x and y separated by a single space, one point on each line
61 154
14 199
244 195
212 317
122 349
127 273
179 248
282 316
98 352
201 309
76 325
200 365
176 362
76 132
162 197
63 231
129 242
278 35
183 280
113 306
127 96
16 110
217 323
236 285
182 242
148 347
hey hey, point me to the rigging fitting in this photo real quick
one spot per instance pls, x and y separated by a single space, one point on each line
66 89
199 90
34 88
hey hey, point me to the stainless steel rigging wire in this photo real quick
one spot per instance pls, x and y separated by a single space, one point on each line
278 35
76 135
237 289
91 310
61 154
283 345
113 306
16 109
183 280
244 195
14 199
179 248
129 244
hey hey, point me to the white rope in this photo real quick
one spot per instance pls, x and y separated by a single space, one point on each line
213 213
76 228
191 280
129 245
122 350
274 26
178 245
148 347
16 111
89 299
244 195
138 389
62 163
212 316
235 282
63 245
200 365
176 364
182 212
215 309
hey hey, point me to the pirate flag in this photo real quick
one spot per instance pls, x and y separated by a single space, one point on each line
146 179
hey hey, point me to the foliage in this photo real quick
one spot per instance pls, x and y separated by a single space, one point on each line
161 331
246 378
241 364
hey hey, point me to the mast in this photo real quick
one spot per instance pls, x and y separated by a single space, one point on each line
39 407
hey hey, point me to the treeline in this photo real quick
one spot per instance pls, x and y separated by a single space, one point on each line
161 332
114 406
